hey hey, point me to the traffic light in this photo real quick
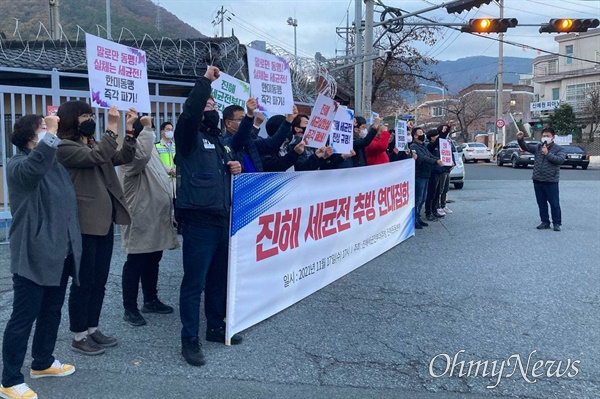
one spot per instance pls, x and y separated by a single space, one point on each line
567 25
489 25
465 5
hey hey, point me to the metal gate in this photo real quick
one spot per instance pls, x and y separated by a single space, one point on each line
166 97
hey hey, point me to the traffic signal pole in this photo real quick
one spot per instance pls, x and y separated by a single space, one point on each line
500 90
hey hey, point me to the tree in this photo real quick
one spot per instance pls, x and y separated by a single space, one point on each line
402 68
470 109
592 112
564 121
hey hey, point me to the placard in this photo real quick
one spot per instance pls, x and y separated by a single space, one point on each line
270 82
117 75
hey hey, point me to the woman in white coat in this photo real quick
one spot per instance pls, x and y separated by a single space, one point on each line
150 199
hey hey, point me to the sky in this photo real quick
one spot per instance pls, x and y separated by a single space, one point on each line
317 21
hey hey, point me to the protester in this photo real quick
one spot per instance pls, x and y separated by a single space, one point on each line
249 153
309 159
275 162
150 199
376 151
432 203
40 194
546 172
395 154
101 203
444 131
424 163
362 138
204 169
167 150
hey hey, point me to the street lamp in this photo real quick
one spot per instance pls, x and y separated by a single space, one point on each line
293 22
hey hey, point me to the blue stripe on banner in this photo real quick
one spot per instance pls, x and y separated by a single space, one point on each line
254 193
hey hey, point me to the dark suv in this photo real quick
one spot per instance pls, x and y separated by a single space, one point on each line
576 157
513 154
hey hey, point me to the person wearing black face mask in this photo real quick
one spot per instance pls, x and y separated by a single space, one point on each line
204 170
423 165
101 203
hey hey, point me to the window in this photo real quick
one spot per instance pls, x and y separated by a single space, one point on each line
576 95
556 93
569 53
438 111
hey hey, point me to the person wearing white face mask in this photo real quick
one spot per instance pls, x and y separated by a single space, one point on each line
166 151
362 138
546 172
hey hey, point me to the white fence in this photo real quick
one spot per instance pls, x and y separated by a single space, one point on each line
20 95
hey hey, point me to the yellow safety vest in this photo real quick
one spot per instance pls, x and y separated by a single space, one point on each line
166 155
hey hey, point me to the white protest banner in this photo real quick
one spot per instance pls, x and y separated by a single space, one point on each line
270 82
319 124
117 75
401 142
342 139
228 90
288 242
446 152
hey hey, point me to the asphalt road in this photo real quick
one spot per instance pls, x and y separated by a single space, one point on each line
483 280
490 171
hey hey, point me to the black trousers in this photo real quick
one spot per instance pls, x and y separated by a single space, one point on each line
432 203
445 186
85 300
142 267
32 302
547 193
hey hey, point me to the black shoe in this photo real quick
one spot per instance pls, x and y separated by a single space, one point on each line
418 226
543 226
103 340
156 306
191 349
431 218
439 216
134 318
218 335
557 227
422 223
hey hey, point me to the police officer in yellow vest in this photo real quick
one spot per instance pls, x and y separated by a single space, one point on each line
166 151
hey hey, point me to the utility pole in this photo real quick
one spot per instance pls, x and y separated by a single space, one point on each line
500 90
358 50
108 23
222 21
368 68
54 19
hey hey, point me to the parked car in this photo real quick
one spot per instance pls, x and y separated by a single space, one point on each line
576 156
476 152
513 154
457 174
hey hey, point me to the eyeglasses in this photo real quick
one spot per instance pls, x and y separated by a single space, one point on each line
236 121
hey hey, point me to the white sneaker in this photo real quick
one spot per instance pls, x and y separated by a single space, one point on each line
441 212
448 211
